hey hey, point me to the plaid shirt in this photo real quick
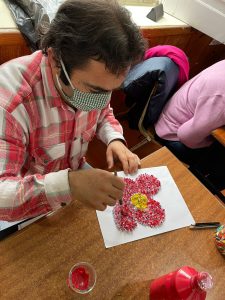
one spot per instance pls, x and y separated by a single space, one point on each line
41 138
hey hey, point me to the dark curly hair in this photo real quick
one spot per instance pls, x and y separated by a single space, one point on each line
100 30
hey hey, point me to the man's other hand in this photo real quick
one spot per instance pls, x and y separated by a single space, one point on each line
129 160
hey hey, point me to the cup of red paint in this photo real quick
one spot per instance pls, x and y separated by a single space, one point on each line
82 278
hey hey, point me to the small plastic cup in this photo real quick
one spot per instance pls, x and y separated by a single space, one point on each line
82 278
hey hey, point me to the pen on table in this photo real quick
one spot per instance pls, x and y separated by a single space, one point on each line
120 200
205 225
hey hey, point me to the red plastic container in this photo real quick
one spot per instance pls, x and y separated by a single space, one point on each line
183 284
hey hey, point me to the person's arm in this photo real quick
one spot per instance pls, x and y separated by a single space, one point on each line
29 196
209 115
110 132
109 128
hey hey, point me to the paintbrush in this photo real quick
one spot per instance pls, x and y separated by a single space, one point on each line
120 200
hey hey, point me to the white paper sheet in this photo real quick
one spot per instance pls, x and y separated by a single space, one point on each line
170 198
21 224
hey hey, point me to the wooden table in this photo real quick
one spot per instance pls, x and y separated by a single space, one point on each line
34 262
219 134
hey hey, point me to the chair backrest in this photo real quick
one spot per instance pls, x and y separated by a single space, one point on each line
147 87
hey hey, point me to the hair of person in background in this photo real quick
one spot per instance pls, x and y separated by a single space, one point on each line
101 30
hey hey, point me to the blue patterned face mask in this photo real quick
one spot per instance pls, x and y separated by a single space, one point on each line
84 101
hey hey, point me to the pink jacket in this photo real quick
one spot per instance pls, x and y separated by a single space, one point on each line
196 109
174 53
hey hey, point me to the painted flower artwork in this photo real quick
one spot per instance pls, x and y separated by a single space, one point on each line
138 205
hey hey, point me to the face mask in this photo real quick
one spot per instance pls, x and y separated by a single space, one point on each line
84 101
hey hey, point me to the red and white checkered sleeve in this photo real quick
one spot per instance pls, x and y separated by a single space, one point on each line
28 196
109 127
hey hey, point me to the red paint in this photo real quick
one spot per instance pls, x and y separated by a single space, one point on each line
80 279
126 216
183 284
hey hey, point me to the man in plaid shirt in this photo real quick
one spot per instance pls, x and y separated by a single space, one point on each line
54 101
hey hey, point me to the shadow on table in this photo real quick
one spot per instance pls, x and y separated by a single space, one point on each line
134 290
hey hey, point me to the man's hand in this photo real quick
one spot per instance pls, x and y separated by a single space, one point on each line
95 188
129 160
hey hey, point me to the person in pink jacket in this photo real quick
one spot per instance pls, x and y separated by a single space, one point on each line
189 117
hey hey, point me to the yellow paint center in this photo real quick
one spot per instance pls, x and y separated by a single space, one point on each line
139 200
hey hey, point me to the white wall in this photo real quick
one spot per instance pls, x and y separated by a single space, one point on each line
208 16
139 2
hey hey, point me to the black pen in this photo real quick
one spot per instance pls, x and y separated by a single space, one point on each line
205 225
120 200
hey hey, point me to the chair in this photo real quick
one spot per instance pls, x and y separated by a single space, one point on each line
147 87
